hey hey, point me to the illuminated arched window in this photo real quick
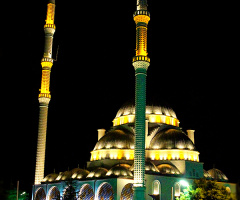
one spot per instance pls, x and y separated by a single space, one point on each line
105 191
40 194
127 192
156 187
177 190
86 193
53 193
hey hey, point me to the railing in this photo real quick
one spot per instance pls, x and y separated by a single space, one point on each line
141 12
46 95
45 59
141 58
50 26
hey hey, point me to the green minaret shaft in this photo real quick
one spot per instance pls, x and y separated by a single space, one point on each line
141 63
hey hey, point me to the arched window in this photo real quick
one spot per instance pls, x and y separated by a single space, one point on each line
156 187
127 192
86 193
40 194
177 190
105 191
53 194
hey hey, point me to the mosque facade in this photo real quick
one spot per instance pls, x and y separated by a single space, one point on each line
172 162
144 155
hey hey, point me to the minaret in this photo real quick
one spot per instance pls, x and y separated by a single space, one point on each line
44 96
140 63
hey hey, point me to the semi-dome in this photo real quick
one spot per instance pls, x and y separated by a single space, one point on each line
171 139
97 173
119 170
118 138
167 169
217 175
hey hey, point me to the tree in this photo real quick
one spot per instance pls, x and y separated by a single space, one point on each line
12 195
203 189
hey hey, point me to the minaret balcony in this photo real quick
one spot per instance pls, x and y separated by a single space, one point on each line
141 58
45 59
141 12
50 26
46 95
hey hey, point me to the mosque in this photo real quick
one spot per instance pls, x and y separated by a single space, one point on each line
156 161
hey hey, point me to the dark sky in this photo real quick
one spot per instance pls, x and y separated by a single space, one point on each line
193 51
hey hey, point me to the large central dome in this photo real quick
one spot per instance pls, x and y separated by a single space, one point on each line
155 113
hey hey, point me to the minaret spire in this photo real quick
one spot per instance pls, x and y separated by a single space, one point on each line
141 62
141 4
44 96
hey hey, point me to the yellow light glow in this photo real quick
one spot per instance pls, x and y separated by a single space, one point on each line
50 13
141 18
173 154
153 118
128 154
119 155
112 154
169 156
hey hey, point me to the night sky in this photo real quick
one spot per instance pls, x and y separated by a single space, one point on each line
193 51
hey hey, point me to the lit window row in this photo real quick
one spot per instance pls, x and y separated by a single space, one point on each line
112 154
152 154
153 118
173 155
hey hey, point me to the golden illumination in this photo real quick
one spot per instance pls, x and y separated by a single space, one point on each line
141 18
50 15
45 82
141 35
173 154
152 118
127 154
46 64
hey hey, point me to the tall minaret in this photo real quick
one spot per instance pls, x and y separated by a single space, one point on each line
140 63
44 96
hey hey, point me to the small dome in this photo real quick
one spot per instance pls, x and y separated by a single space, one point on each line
78 173
50 177
119 170
171 139
217 175
120 137
97 173
149 167
168 169
64 176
